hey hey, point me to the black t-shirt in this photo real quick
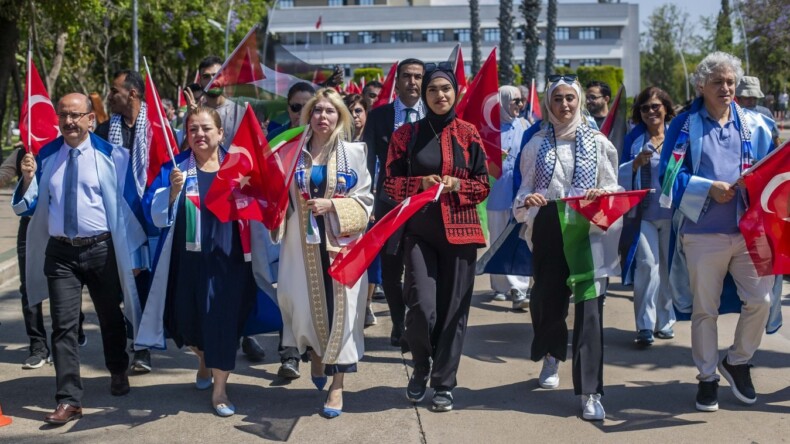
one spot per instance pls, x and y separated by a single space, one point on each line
127 133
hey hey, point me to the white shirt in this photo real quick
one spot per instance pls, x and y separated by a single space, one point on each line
91 216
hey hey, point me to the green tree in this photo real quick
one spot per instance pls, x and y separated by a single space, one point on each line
530 10
766 24
551 28
474 28
506 74
723 40
667 27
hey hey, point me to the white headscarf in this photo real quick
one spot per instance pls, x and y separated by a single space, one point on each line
506 95
567 130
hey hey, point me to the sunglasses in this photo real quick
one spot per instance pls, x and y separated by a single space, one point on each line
651 107
557 77
441 66
518 101
295 107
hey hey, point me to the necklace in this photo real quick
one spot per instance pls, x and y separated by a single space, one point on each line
434 132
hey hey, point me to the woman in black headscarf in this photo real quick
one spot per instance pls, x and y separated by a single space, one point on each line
440 243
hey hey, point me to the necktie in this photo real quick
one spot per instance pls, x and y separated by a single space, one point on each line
410 115
70 181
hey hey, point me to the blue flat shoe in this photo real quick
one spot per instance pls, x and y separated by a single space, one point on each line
203 384
330 413
225 410
319 381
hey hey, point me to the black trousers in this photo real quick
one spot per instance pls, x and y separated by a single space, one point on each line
67 270
392 282
438 291
548 307
33 315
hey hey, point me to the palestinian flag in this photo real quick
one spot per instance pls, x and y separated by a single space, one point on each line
590 235
192 207
673 168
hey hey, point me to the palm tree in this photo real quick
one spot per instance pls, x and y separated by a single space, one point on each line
551 27
530 10
474 16
506 74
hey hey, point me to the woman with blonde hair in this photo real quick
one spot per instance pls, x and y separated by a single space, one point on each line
330 203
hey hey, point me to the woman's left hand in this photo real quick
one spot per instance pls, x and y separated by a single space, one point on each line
319 207
450 184
594 193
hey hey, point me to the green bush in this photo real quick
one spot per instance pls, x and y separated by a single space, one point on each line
369 74
611 75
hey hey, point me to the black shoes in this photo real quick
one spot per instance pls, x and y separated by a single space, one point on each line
395 335
418 383
119 384
289 369
34 361
442 401
707 396
142 361
740 381
252 350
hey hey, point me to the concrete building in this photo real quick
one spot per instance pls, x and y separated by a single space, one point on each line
361 33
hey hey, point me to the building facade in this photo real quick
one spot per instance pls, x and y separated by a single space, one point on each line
362 33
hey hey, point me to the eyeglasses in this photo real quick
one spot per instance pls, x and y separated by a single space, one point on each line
646 108
592 97
72 116
357 111
295 107
518 101
570 78
441 66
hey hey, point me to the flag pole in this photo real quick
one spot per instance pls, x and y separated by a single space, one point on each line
29 82
159 114
225 63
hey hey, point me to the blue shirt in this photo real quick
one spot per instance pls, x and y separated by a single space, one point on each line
720 160
653 210
501 196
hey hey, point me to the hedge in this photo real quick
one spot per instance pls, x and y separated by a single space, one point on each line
369 74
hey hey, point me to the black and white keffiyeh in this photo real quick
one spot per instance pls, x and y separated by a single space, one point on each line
586 163
138 152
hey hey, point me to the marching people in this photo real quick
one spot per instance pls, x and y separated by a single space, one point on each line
708 147
653 309
500 201
330 204
381 124
82 232
439 244
371 92
598 94
565 158
201 274
747 94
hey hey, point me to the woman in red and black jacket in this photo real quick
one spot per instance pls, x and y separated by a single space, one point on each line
440 243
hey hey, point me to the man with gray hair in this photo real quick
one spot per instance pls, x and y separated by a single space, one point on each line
711 145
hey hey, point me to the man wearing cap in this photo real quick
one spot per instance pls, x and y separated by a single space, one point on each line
748 93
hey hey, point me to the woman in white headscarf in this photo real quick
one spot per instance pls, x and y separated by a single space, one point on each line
500 200
565 158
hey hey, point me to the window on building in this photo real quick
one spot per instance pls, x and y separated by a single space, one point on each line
433 35
491 34
520 34
365 2
337 38
562 62
400 36
336 2
462 35
590 62
285 4
368 37
589 33
562 33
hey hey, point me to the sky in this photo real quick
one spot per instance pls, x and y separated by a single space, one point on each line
695 8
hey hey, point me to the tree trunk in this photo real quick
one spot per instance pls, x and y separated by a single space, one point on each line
530 10
551 28
57 61
474 18
506 74
9 44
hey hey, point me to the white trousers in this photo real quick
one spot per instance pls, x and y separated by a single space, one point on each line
709 258
653 308
502 283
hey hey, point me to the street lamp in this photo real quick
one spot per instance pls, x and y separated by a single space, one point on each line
735 4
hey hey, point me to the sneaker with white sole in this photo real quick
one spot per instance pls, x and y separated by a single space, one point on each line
740 381
34 361
592 410
519 299
549 375
370 317
499 297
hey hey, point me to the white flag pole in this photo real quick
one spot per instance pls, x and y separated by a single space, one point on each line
29 108
224 64
159 114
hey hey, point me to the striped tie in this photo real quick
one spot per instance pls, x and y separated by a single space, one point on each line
70 183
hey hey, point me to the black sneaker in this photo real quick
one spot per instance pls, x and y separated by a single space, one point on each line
707 396
378 293
395 336
415 391
740 380
82 340
442 401
34 361
289 369
252 350
142 361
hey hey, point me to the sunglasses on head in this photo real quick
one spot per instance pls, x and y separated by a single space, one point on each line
295 107
646 108
441 66
570 78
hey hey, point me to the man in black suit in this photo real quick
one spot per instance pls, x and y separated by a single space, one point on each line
381 123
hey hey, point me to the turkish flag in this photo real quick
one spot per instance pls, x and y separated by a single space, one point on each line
766 223
534 102
606 209
38 125
243 66
162 146
457 59
355 258
252 182
480 107
388 88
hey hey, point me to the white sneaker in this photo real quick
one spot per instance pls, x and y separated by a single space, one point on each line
549 375
592 410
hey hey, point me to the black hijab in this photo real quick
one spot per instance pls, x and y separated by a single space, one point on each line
439 121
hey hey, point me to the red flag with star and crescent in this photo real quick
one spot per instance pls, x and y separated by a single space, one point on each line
480 107
766 223
387 93
38 125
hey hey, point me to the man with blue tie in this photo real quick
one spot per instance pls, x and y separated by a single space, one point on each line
82 232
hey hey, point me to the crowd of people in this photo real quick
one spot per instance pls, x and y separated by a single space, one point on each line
159 264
